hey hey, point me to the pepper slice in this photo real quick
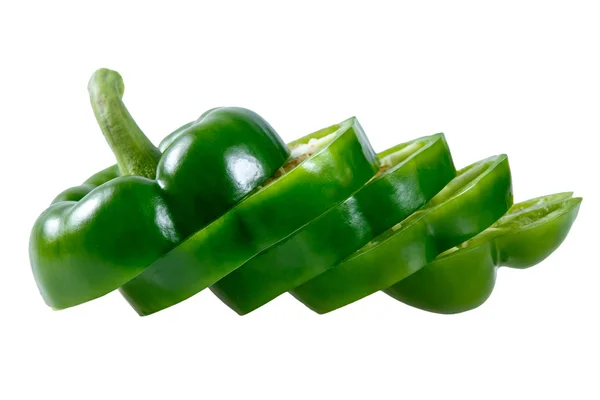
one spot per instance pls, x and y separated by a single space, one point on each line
326 167
410 175
97 236
479 195
463 277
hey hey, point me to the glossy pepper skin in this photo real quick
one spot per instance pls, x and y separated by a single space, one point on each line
479 195
463 278
97 236
267 216
412 173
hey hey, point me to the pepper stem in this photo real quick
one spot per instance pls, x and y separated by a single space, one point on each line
134 152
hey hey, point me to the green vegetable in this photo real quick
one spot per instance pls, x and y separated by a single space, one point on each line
479 195
463 278
223 203
410 175
97 236
326 167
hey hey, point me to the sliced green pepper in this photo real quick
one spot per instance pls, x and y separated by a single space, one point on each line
333 163
411 174
463 278
479 195
97 236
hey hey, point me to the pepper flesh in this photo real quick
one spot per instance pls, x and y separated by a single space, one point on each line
324 179
471 202
410 175
97 236
463 278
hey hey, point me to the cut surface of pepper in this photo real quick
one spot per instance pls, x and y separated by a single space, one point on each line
463 277
97 236
343 163
479 195
410 174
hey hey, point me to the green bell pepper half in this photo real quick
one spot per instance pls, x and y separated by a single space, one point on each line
479 195
411 174
463 278
333 163
97 236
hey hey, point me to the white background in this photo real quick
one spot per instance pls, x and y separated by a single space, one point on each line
517 78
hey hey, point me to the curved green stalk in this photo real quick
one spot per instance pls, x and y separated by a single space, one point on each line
134 152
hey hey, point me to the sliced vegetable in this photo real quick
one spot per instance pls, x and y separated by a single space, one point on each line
410 175
222 202
463 277
479 195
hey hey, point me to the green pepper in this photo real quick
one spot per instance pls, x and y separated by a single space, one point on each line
411 174
479 195
97 236
463 277
325 168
